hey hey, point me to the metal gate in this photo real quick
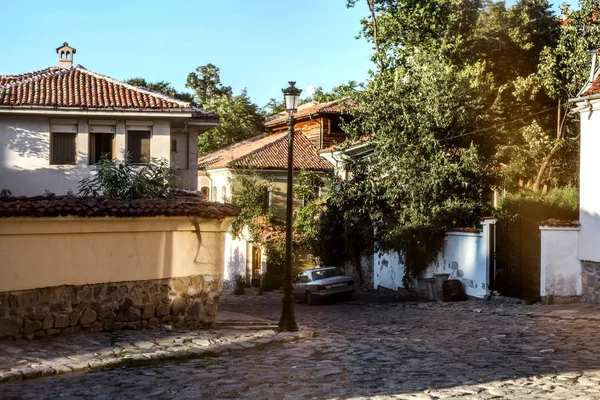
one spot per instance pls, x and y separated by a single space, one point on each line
516 267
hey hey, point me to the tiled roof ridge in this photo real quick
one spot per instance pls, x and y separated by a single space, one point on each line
217 155
278 116
41 74
56 71
184 104
27 75
265 147
55 206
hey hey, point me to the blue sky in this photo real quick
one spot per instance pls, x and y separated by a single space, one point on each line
258 44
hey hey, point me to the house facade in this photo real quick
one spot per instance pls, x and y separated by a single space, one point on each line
587 104
320 123
267 154
56 124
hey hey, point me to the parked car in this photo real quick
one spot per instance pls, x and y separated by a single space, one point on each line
322 283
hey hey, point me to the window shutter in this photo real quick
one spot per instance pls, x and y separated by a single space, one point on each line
63 144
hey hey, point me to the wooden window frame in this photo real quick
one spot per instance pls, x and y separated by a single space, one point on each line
137 130
59 131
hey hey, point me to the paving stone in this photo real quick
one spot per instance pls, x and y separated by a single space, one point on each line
364 349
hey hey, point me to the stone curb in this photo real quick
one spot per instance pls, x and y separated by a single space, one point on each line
142 359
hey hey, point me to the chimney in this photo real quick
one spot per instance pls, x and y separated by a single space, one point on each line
65 55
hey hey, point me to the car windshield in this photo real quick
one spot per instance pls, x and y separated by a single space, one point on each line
326 273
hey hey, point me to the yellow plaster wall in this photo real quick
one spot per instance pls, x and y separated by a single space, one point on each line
42 252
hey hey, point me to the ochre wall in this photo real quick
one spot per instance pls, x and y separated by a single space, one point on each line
43 252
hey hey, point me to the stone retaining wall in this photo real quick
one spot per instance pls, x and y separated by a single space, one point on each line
591 282
186 302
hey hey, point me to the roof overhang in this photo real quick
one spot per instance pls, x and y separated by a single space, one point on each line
190 115
591 102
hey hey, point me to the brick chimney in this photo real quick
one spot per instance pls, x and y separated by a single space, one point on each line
65 55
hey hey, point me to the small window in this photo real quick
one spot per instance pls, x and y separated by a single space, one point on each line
101 144
138 146
223 194
63 149
214 193
205 191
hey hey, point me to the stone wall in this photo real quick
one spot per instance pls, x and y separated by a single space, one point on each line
591 282
185 302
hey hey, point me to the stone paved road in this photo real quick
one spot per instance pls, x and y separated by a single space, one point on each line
364 349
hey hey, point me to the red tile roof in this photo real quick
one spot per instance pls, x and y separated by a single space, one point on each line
55 206
332 107
593 89
267 152
78 87
560 223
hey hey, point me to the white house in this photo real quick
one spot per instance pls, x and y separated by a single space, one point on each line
587 104
57 122
266 153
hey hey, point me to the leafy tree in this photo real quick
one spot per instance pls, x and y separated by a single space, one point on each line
427 174
206 84
239 119
161 87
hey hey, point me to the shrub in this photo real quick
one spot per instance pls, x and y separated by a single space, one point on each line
559 203
240 285
128 181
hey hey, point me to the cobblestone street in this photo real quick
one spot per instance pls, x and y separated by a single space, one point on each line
371 348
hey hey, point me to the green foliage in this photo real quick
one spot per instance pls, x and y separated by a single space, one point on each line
558 203
239 119
206 84
124 180
240 285
250 192
426 175
337 92
306 222
161 87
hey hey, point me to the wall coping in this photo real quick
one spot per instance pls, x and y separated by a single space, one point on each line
560 228
559 224
460 233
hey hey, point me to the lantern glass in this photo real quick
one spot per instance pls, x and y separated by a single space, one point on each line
291 102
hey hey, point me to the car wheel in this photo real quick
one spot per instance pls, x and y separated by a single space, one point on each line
309 300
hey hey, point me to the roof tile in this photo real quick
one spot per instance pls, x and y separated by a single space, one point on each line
54 206
332 107
267 152
79 87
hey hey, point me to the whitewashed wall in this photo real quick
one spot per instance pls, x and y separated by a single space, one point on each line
464 256
560 274
589 208
25 154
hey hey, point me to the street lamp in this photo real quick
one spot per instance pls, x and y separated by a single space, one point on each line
287 323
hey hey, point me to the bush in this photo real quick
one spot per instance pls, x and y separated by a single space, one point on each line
128 181
558 203
240 285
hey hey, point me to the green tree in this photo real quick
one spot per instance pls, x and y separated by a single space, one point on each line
206 84
162 87
239 119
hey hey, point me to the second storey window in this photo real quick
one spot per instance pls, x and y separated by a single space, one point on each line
138 145
63 144
102 143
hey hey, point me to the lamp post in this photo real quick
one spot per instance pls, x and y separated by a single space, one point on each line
287 323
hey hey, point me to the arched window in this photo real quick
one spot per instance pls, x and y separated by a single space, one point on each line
214 193
205 190
223 194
